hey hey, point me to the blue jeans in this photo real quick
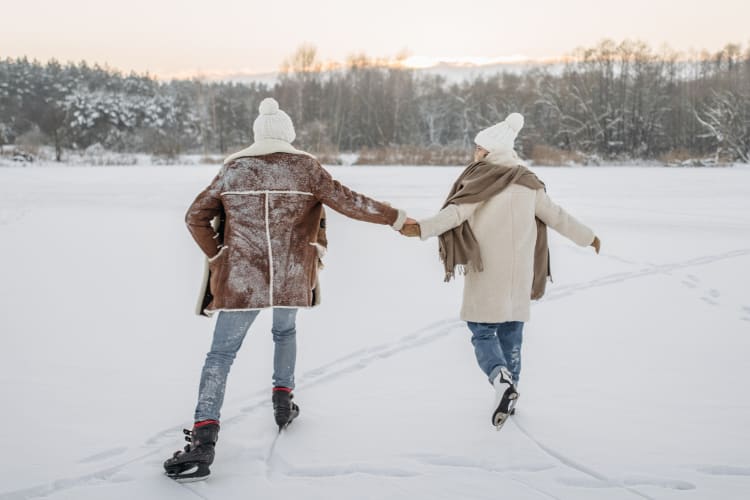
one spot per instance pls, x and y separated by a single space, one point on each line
230 331
498 345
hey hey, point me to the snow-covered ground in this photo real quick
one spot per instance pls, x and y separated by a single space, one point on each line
635 364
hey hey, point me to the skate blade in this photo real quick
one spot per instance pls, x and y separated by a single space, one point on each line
512 407
499 420
190 474
284 426
292 417
500 416
182 480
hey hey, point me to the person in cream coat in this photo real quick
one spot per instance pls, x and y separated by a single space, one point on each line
493 228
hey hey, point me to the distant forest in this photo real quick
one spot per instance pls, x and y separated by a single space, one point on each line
615 101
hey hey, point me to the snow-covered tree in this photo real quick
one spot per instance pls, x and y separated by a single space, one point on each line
726 120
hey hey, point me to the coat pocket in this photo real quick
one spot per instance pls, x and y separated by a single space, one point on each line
320 252
218 255
218 272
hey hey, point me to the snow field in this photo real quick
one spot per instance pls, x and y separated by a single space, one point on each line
633 381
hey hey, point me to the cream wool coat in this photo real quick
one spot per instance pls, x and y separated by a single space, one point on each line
505 229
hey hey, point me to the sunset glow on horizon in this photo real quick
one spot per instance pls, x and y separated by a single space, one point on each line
188 38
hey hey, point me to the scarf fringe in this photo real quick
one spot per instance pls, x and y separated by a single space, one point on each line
463 270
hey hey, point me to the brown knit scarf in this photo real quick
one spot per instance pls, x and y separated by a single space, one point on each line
481 181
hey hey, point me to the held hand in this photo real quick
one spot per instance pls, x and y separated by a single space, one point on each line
411 230
597 244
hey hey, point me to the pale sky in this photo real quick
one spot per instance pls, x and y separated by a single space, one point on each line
227 36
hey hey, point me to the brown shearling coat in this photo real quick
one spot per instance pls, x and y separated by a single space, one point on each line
271 208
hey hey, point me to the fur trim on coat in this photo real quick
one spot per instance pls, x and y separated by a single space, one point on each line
264 147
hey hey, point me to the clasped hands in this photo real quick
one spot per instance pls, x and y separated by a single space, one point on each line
411 228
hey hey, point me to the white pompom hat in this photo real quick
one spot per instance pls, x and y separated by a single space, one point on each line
273 123
499 138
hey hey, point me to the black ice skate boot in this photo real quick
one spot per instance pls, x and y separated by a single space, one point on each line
284 410
507 397
191 464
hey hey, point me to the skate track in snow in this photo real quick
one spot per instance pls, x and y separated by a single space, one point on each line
360 360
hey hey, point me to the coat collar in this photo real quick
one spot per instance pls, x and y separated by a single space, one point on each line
507 158
264 147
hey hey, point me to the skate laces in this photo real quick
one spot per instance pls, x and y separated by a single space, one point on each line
189 438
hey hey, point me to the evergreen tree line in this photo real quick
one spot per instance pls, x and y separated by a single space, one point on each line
613 101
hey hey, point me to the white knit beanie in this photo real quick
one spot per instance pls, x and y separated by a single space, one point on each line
273 123
499 138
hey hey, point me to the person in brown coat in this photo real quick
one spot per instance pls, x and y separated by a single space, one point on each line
261 225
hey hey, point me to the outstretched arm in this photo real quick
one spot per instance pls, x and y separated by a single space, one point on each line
446 219
352 204
206 206
561 221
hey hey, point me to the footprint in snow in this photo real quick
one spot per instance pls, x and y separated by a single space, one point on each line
8 217
690 281
711 297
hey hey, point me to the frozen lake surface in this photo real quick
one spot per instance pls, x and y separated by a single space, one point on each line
634 381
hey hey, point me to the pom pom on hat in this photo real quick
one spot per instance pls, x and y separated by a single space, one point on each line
273 123
268 106
515 122
500 137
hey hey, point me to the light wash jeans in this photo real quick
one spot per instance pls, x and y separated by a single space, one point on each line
498 345
230 331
